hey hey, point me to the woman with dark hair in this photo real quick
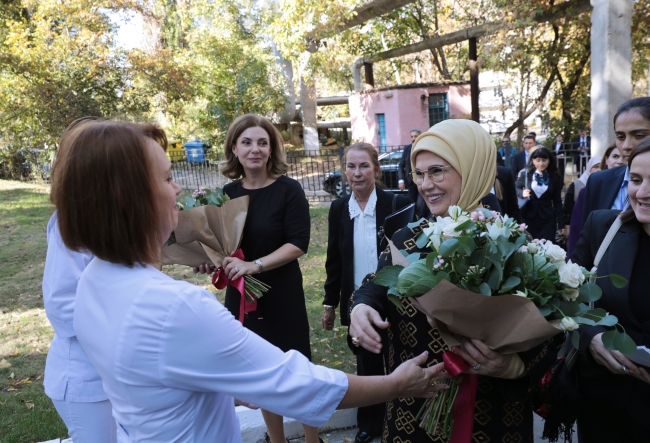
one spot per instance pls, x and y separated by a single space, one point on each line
170 356
612 158
542 186
616 390
275 235
353 248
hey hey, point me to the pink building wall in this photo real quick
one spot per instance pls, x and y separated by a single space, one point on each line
404 109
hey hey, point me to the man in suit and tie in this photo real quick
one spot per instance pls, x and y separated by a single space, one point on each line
559 151
404 169
521 158
581 148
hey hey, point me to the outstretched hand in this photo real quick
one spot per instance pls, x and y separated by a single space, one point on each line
362 331
415 381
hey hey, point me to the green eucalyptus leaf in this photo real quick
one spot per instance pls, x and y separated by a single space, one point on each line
608 340
467 224
421 240
624 343
584 321
510 284
414 224
412 258
589 292
467 245
440 276
218 191
448 247
493 280
618 281
212 200
569 308
575 339
545 310
485 289
431 259
608 320
460 265
387 276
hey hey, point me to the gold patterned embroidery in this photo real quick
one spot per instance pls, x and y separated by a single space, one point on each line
480 437
408 307
404 421
514 414
482 412
484 385
437 344
410 244
407 333
512 438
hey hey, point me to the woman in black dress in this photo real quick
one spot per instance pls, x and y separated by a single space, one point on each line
276 233
542 185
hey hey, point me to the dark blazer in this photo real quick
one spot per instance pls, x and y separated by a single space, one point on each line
519 163
339 264
404 167
602 189
509 204
624 393
575 145
543 208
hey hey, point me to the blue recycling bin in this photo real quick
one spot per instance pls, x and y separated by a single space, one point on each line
194 151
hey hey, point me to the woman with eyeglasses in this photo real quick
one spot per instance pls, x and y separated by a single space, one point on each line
453 164
542 186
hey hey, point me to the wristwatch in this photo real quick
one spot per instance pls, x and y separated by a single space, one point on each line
328 307
258 262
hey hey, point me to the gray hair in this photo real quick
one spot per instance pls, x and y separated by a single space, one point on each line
415 130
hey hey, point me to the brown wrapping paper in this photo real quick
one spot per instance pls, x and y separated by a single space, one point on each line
207 234
506 323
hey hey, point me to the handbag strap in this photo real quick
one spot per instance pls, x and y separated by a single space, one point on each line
394 203
608 239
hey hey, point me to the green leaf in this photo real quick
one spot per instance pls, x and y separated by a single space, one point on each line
412 274
421 286
608 340
448 247
493 280
189 202
570 308
415 224
413 257
467 245
467 224
511 283
575 339
440 276
460 265
584 321
396 301
618 281
609 320
545 310
485 289
218 191
589 292
421 240
387 276
623 343
431 260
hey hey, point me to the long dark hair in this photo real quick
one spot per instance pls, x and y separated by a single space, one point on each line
642 148
543 153
639 104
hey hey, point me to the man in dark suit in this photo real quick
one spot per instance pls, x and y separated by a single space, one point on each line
558 149
508 201
339 286
604 191
581 148
521 158
404 169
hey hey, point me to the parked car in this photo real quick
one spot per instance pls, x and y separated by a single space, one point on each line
388 163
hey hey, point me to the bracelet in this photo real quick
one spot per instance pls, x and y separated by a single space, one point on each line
328 307
258 262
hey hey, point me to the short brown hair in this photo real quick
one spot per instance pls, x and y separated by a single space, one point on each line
277 163
643 147
104 189
608 152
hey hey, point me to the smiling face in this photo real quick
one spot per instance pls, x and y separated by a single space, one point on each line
631 128
360 172
639 189
167 189
438 196
615 159
253 149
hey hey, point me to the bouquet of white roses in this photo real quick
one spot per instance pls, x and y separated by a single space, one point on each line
485 253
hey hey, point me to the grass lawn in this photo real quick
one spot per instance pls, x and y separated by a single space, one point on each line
26 413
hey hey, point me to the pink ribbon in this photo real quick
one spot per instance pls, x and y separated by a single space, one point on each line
464 404
220 280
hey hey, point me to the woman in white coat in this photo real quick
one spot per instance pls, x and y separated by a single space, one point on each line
171 357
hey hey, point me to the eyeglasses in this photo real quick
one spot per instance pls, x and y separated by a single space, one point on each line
435 173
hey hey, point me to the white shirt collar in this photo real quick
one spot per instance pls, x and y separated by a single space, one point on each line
355 209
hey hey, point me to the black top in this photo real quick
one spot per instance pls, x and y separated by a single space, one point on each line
277 214
639 294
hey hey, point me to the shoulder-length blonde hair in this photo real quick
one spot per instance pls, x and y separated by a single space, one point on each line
374 159
277 163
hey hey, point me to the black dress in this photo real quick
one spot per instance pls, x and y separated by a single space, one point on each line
277 214
502 412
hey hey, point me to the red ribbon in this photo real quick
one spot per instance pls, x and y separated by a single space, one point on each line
464 404
220 280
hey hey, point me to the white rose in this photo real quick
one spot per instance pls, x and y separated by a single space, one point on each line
532 248
570 294
554 253
568 324
449 230
520 294
571 275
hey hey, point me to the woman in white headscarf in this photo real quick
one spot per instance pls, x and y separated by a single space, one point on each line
453 164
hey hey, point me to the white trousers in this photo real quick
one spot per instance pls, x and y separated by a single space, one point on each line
88 422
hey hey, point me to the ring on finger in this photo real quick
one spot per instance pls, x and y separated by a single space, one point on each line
477 367
624 368
355 341
236 270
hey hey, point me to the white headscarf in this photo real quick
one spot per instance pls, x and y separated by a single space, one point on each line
590 164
